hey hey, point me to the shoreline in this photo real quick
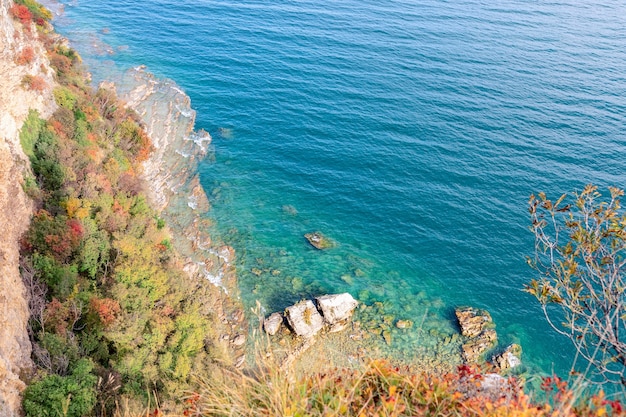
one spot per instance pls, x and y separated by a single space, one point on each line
176 192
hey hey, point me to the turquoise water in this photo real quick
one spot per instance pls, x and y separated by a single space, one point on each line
411 133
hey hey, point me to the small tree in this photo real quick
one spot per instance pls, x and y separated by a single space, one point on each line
580 255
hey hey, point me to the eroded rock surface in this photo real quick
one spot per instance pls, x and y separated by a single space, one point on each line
15 206
508 359
304 319
337 309
273 323
477 326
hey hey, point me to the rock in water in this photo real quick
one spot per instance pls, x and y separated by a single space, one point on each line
477 326
273 323
404 324
336 307
472 321
508 359
319 241
304 319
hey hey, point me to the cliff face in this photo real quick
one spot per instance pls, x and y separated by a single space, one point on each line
15 206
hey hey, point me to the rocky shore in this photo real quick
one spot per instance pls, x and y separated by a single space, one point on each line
173 187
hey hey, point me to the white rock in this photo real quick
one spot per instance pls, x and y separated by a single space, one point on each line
272 324
239 340
304 319
336 307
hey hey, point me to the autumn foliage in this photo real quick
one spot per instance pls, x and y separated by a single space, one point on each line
25 56
381 389
106 296
22 13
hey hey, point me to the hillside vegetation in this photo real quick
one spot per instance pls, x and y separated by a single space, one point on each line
111 313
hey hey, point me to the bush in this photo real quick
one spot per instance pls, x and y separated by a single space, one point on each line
65 97
31 129
70 396
37 11
25 56
22 13
34 83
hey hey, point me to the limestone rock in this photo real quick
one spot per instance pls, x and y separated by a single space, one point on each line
15 206
273 323
475 347
404 324
336 308
304 319
477 326
319 241
472 321
508 359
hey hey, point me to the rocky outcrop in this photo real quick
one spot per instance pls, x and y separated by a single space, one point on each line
304 319
508 359
273 323
319 241
174 188
337 309
477 326
15 207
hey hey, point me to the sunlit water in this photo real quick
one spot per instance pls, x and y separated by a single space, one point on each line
409 132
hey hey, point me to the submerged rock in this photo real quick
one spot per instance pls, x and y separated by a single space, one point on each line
319 241
404 324
304 319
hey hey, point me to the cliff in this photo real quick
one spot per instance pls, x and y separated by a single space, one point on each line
16 46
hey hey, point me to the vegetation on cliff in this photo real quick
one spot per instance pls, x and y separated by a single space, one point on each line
111 311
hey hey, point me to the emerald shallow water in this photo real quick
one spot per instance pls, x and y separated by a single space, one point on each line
410 133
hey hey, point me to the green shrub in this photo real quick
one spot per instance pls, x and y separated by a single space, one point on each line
69 396
64 97
29 134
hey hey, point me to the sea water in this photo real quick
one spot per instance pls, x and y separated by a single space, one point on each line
411 133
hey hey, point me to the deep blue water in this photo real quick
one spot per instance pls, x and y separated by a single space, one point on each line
410 132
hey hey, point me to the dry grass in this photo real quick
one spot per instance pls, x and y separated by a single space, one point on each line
380 389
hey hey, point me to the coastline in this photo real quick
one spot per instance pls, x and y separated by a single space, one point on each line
174 190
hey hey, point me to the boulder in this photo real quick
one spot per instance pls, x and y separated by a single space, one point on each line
473 321
477 326
336 308
508 359
476 346
304 319
319 241
404 324
273 323
239 340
